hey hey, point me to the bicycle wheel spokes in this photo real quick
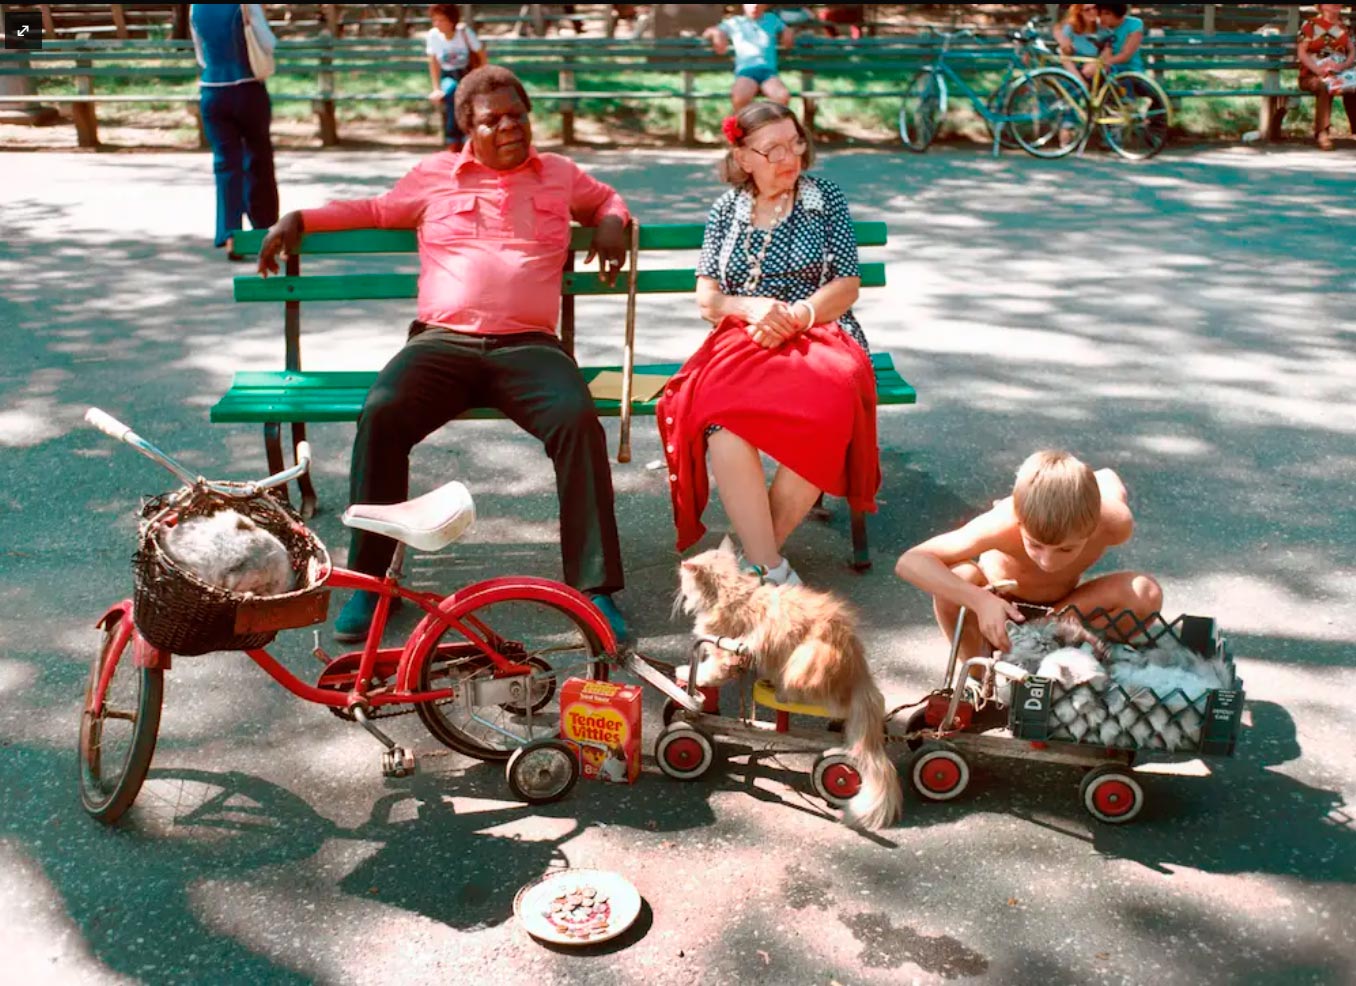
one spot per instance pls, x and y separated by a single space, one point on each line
1135 118
921 115
1047 112
118 741
492 715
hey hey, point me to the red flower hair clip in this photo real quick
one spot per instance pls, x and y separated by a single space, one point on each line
730 127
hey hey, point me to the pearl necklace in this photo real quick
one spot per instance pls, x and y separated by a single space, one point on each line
757 257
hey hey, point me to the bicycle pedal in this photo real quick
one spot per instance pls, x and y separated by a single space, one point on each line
397 762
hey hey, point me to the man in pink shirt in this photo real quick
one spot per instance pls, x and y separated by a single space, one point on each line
494 231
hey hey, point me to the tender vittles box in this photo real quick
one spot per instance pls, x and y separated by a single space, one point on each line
602 721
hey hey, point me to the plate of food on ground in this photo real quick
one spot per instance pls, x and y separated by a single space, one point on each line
577 907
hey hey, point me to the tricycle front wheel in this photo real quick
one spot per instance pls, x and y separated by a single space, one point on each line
117 739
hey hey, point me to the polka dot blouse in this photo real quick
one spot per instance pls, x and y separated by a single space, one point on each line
811 247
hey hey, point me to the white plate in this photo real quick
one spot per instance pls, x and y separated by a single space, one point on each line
536 897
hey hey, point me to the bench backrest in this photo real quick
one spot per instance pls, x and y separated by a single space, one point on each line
294 288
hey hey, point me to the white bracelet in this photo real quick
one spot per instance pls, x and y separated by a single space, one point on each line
807 304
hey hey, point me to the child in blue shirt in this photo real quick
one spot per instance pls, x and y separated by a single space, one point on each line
756 36
1126 33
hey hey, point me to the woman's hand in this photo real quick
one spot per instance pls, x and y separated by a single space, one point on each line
770 321
436 96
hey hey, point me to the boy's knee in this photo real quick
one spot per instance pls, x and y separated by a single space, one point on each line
970 572
1148 594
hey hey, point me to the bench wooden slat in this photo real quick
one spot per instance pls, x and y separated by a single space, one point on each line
284 396
657 236
372 287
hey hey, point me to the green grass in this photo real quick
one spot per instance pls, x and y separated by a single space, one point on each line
849 115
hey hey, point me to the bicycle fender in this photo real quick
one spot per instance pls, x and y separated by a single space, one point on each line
143 654
501 590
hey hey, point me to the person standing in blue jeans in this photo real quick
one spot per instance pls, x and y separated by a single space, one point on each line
236 114
453 50
756 36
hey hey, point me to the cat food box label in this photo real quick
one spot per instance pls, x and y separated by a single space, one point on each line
602 722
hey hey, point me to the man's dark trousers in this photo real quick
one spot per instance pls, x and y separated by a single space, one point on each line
532 381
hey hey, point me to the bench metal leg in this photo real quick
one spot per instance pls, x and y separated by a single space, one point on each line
861 551
273 452
308 498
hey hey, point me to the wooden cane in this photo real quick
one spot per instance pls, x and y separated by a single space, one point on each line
629 346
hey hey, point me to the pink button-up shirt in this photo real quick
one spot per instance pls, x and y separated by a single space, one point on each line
492 244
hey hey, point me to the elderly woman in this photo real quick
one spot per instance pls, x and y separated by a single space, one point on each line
785 371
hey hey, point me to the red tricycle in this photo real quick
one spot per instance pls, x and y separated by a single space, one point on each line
481 669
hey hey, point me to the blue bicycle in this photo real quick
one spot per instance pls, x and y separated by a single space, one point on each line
1040 110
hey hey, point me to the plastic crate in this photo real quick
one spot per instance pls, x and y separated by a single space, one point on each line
1202 725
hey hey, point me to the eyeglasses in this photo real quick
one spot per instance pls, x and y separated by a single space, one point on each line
779 153
491 122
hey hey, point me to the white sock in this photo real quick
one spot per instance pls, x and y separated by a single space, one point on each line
782 574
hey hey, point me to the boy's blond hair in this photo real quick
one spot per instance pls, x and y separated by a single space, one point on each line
1056 497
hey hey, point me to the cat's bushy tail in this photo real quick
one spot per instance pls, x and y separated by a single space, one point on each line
881 800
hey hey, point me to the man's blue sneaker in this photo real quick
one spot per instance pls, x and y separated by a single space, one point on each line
609 609
355 619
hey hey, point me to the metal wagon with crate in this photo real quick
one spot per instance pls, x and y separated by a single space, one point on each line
1107 730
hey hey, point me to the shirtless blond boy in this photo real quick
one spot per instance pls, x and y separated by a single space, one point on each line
1060 519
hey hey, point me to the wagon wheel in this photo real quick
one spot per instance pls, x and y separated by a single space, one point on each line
835 777
938 772
1111 794
683 751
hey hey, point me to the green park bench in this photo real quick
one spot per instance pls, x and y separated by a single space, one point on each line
295 396
579 75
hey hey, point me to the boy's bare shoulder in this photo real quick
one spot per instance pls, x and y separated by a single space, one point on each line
998 521
995 529
1117 523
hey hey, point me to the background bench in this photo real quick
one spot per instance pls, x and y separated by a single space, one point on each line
593 75
295 396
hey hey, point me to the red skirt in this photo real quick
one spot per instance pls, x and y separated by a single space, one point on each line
810 404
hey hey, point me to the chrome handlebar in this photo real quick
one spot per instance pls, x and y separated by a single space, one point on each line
118 431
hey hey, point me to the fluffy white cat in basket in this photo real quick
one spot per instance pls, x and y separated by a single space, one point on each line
230 551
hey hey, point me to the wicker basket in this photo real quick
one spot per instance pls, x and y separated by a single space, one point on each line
178 612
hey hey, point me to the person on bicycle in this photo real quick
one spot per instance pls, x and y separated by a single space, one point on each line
494 232
756 36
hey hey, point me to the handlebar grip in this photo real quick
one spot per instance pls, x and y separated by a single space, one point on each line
304 455
110 425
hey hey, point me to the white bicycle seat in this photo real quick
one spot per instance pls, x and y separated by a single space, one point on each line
426 523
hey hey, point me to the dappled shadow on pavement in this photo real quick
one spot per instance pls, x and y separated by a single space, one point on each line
1186 322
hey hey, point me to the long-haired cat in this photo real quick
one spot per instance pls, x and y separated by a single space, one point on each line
806 643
